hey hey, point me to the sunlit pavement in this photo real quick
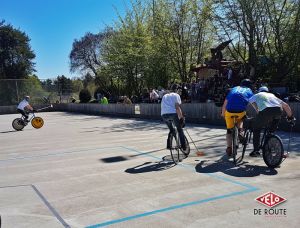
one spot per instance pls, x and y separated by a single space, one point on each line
92 171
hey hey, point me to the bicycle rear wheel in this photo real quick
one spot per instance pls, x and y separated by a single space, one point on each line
174 149
18 124
235 144
273 151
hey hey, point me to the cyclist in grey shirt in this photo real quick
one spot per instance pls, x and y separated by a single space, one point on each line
269 108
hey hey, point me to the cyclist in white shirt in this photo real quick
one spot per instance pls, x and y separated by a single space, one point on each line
24 107
171 111
269 108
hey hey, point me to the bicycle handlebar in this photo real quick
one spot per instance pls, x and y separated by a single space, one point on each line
291 121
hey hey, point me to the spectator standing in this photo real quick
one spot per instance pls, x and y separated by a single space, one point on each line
126 100
153 96
104 100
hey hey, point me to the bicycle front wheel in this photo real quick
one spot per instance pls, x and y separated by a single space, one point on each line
174 149
273 151
235 144
245 143
187 151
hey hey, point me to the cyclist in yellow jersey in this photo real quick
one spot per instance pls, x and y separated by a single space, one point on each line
235 104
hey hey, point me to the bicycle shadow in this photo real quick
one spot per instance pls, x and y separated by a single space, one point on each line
7 132
227 167
150 167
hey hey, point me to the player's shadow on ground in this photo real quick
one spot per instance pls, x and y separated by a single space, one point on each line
150 167
228 168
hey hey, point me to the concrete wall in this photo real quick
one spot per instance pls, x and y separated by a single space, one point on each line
204 113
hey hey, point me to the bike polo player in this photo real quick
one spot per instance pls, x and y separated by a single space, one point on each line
171 111
235 104
268 108
24 106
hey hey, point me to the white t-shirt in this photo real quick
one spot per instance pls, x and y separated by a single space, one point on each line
265 100
161 93
23 104
168 103
154 95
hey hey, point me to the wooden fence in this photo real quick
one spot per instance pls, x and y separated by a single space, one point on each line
204 113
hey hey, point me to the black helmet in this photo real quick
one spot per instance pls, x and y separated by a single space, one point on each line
246 83
174 88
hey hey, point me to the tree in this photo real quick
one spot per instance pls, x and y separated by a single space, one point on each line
16 61
16 56
63 85
183 25
262 30
77 85
86 53
85 96
128 49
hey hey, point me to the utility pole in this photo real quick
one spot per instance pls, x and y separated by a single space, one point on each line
17 91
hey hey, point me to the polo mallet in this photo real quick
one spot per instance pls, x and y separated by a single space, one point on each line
50 106
199 153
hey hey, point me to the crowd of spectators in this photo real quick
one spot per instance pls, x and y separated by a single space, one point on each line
202 89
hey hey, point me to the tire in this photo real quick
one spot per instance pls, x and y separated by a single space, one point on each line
18 124
174 149
187 151
37 122
235 144
245 143
273 151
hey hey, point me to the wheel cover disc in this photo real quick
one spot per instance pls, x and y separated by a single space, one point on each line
37 122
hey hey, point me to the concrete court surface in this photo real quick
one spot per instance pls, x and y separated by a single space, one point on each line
92 171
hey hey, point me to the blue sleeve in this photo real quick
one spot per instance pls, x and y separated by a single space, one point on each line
249 94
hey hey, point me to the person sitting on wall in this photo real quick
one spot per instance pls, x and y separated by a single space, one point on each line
126 100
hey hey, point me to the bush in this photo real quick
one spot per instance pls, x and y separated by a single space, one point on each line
84 96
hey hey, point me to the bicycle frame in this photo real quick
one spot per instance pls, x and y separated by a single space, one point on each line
31 115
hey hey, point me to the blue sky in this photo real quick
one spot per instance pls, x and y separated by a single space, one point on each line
52 26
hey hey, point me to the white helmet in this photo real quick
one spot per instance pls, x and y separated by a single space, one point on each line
27 98
263 89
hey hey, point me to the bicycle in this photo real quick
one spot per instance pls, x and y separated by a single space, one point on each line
235 139
37 122
175 146
270 143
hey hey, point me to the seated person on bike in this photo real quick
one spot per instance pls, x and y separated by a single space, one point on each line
235 104
171 111
269 109
24 107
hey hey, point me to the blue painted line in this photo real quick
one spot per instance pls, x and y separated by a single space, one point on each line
172 208
56 154
248 189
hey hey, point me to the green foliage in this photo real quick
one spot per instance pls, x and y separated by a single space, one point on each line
63 85
77 85
16 62
16 55
85 96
